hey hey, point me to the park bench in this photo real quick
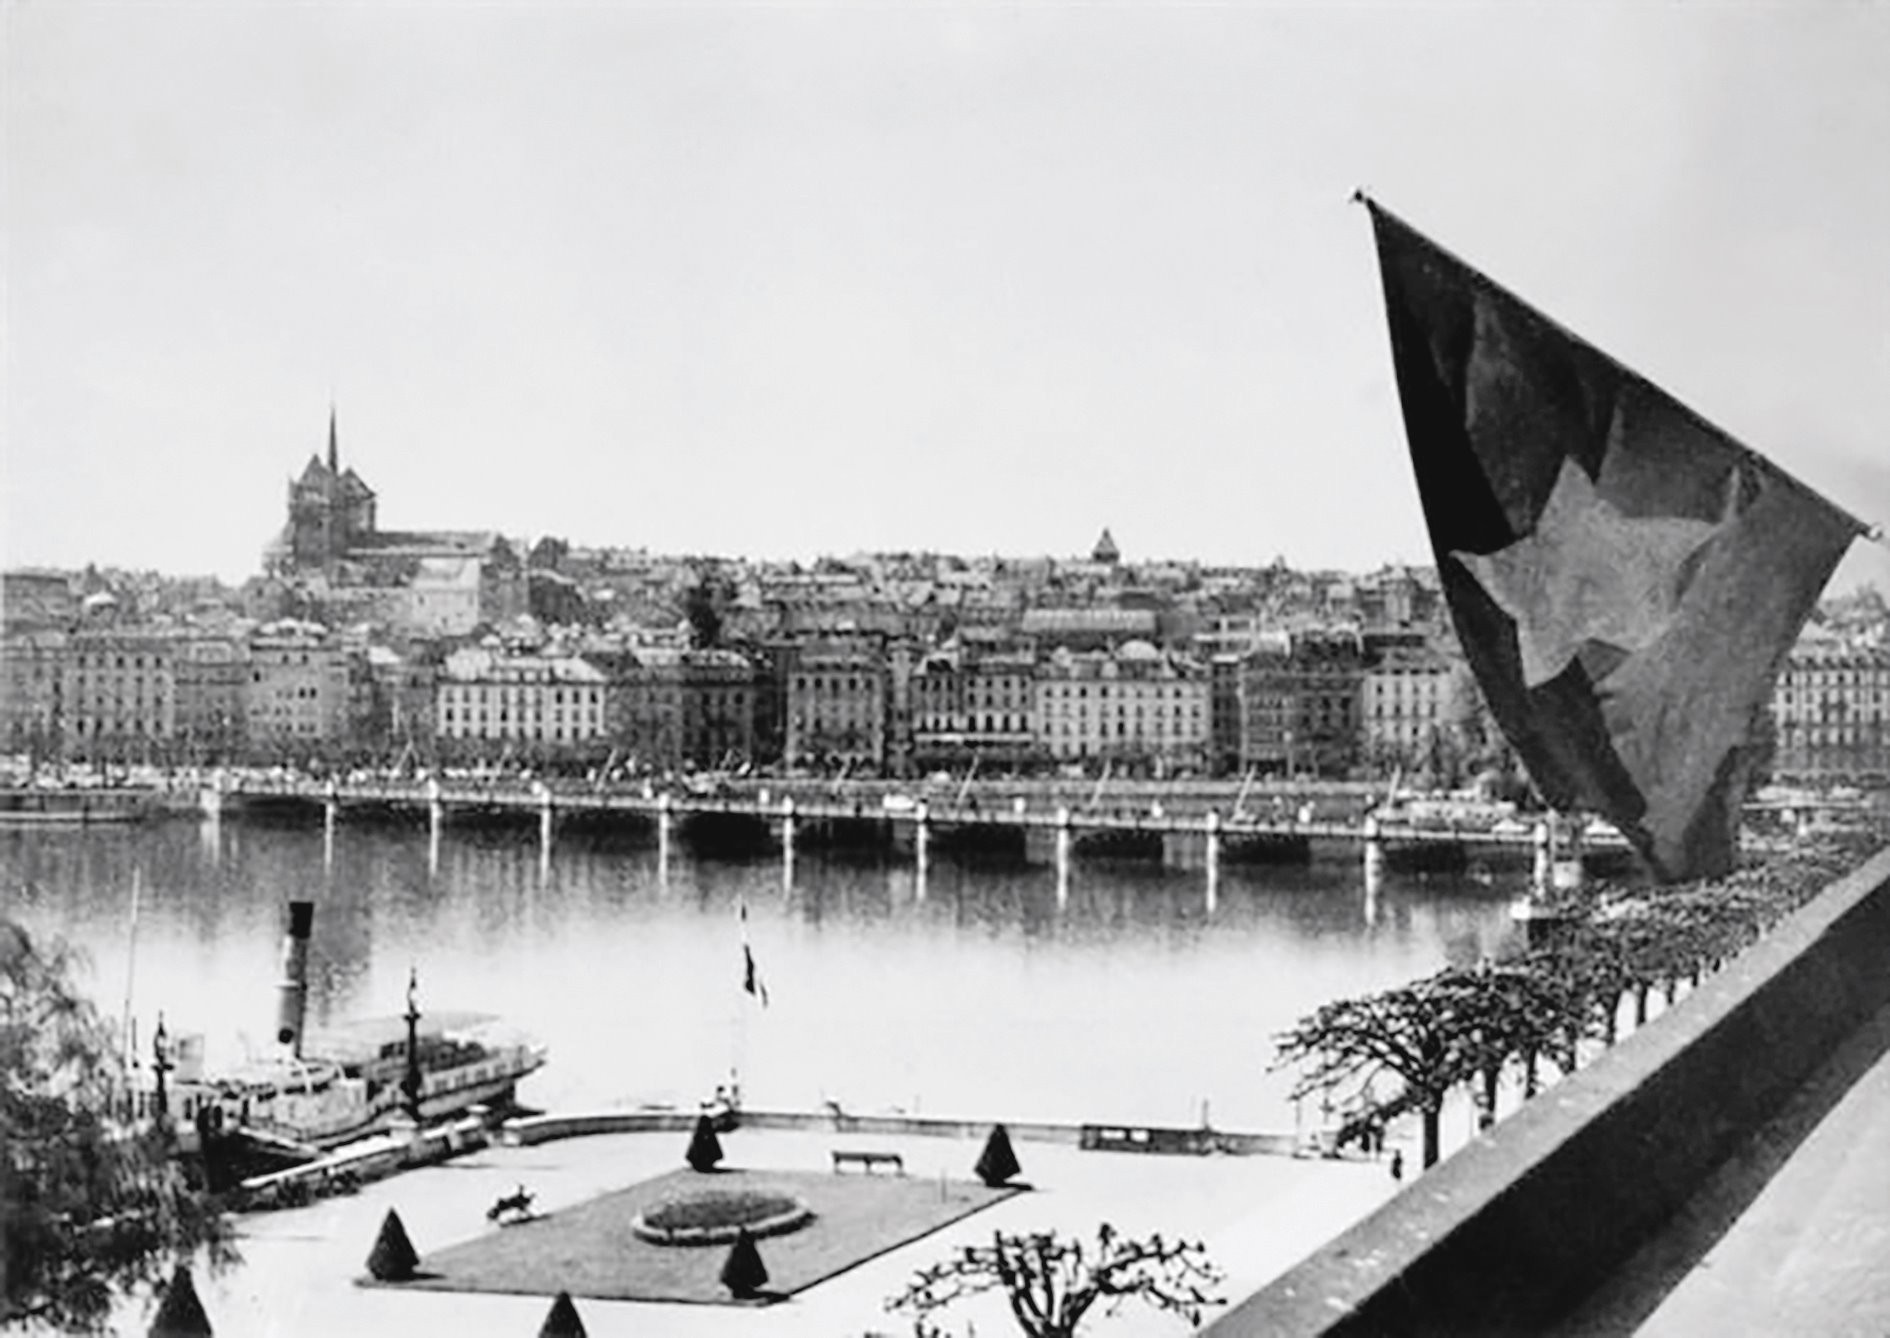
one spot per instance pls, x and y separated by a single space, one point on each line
866 1161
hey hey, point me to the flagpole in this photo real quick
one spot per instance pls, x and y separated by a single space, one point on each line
1699 420
131 971
739 1040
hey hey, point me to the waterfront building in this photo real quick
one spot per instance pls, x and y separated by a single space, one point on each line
1300 705
718 720
397 712
905 656
669 709
1224 713
212 685
494 704
32 694
300 690
119 698
836 701
1137 709
1831 707
1402 701
974 708
1267 709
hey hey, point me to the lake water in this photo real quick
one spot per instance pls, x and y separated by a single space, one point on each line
1125 993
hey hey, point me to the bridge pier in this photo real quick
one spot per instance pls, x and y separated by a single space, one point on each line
1213 875
436 823
547 819
1194 850
787 843
1374 868
1566 872
331 811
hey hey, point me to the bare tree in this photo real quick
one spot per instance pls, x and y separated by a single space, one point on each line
1052 1282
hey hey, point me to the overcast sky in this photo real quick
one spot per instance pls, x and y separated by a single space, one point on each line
779 281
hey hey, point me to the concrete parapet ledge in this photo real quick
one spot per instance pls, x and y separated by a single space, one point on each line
1515 1229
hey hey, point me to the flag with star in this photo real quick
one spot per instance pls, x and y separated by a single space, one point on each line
1625 578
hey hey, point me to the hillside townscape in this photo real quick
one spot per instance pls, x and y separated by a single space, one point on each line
359 645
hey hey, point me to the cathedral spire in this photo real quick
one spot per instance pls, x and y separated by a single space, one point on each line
334 449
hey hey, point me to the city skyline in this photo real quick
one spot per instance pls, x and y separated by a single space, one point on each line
785 282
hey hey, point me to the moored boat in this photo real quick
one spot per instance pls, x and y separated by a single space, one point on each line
346 1082
32 805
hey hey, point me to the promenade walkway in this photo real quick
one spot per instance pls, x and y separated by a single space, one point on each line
1257 1216
1792 1236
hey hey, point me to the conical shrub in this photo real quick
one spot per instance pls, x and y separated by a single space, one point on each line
743 1273
705 1149
393 1257
180 1313
563 1321
997 1163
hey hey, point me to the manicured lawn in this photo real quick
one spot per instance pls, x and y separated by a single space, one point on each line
589 1250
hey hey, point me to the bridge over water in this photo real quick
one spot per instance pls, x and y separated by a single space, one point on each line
1185 834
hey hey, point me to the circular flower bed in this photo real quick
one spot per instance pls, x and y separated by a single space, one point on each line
715 1216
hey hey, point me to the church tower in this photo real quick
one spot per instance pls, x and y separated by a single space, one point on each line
329 510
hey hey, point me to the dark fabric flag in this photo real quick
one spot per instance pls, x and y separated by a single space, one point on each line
751 978
1625 578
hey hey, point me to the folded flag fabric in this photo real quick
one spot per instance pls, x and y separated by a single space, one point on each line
1625 578
751 978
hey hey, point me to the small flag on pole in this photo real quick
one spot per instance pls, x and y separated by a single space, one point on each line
751 978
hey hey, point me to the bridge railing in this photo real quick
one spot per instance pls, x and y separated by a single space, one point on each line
1119 818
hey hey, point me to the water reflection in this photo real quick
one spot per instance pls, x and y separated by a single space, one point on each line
1104 991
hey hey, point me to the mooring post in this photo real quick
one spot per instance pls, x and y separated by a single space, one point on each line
663 824
436 821
921 841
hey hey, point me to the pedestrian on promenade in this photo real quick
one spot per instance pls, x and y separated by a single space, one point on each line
1397 1166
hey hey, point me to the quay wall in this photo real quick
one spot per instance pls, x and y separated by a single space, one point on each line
1515 1229
531 1129
370 1159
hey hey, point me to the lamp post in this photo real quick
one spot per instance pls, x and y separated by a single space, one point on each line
160 1065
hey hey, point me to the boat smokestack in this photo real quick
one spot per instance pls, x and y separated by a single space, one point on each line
292 993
